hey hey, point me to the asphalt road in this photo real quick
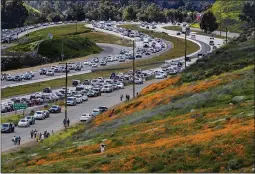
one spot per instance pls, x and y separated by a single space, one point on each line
55 121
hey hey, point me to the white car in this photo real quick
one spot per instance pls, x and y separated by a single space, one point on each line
85 97
23 123
85 117
86 63
159 76
78 98
120 85
94 64
39 115
95 112
50 73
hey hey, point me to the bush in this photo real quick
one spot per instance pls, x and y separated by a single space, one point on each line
235 164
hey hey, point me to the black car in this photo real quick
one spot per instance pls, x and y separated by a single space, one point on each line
47 90
102 108
55 109
92 94
7 127
78 68
17 78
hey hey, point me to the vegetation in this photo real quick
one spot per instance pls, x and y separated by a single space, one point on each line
182 124
227 14
208 22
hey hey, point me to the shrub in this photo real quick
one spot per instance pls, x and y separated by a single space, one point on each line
235 164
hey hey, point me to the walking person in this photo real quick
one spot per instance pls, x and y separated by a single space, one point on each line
32 133
68 122
102 146
35 133
14 139
121 97
42 137
19 139
64 122
137 94
52 132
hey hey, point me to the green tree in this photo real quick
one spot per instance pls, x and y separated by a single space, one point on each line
248 14
208 22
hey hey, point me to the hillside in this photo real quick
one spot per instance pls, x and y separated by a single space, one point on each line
230 10
31 9
201 120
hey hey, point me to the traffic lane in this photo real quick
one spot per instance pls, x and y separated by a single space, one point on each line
55 121
108 49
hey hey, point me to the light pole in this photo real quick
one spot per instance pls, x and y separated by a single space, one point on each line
185 48
133 69
226 34
62 53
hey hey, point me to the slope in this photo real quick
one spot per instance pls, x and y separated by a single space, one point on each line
198 121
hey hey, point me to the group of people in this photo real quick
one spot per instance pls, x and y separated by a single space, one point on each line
66 122
16 140
40 136
127 97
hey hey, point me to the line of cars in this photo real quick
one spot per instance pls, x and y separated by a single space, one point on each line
26 76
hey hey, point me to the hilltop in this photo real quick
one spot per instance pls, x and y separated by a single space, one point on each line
201 120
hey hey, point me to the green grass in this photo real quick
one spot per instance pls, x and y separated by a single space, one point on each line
195 25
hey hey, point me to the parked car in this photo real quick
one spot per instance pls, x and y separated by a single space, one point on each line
92 93
31 119
85 117
78 98
50 73
23 123
102 109
47 90
95 112
39 115
7 127
55 109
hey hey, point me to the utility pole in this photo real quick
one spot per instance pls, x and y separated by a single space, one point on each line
62 54
226 34
185 52
133 69
66 64
220 20
76 22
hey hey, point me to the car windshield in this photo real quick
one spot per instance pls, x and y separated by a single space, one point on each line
28 117
54 107
22 120
69 99
38 112
5 125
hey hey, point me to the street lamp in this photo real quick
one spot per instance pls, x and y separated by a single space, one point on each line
133 69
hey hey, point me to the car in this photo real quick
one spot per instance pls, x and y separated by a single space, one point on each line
96 112
7 127
43 71
47 90
17 78
102 109
94 64
71 101
120 85
31 119
55 109
106 88
50 73
46 113
78 98
85 63
85 117
23 123
103 63
76 83
27 76
178 33
39 115
159 76
138 81
9 78
92 93
138 55
85 97
211 43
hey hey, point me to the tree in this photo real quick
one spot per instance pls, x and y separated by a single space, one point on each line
208 22
248 14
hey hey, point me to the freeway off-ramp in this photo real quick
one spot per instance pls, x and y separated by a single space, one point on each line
74 113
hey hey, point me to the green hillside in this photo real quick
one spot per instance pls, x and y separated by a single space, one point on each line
201 120
231 10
